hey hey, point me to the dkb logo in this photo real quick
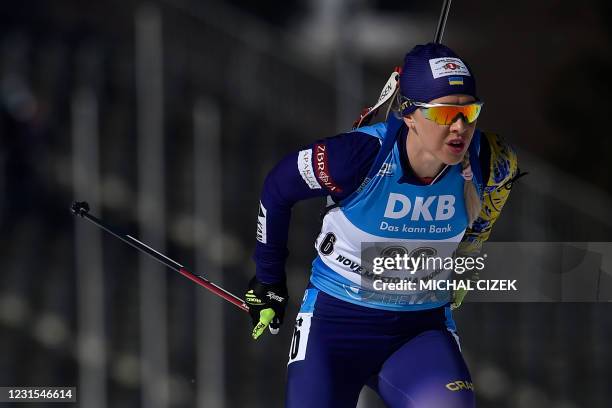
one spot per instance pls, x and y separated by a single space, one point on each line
399 206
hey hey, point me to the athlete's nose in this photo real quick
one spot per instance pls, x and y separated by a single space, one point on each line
459 125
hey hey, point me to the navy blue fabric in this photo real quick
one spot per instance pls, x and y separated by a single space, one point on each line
409 358
351 154
417 82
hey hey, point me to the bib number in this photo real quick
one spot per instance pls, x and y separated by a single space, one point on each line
299 341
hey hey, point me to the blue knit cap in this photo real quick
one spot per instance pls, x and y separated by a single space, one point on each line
431 71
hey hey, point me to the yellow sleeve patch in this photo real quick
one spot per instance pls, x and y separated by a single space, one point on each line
504 163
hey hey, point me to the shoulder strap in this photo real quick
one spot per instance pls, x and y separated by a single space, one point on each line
393 125
474 150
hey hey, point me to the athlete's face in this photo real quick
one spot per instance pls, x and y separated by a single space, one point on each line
447 143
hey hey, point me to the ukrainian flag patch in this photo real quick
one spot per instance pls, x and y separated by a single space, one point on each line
455 80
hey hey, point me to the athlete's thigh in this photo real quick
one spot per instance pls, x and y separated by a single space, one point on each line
428 371
328 361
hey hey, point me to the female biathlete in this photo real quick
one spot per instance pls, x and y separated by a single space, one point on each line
426 177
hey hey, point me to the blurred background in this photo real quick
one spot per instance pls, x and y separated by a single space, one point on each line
166 116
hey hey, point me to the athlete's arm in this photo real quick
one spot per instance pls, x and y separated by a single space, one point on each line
335 166
500 167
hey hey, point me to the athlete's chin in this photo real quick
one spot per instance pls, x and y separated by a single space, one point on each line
451 158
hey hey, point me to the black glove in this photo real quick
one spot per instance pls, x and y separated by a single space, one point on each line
267 304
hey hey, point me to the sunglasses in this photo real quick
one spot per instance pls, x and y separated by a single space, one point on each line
446 114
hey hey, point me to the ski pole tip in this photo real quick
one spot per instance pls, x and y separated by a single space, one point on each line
79 208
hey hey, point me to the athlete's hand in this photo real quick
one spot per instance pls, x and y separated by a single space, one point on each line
267 304
458 296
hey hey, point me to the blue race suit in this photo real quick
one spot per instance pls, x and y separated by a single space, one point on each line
404 345
410 358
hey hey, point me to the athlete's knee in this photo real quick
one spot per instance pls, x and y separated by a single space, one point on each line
454 394
458 394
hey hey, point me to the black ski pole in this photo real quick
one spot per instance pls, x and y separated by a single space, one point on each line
82 208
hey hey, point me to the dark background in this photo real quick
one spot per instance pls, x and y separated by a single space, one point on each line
276 75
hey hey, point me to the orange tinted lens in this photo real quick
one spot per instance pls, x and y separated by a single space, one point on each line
445 115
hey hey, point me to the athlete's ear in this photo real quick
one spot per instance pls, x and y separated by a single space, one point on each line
409 121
